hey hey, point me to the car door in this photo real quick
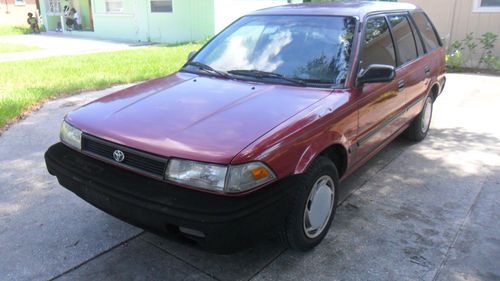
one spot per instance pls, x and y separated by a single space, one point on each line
428 65
411 72
379 104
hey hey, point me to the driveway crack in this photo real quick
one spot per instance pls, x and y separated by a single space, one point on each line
267 264
96 256
459 231
181 260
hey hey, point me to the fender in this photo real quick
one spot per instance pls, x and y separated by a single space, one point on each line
292 146
316 148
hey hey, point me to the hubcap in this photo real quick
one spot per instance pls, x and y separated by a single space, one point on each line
319 206
426 116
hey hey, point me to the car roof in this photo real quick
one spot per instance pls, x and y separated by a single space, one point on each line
351 8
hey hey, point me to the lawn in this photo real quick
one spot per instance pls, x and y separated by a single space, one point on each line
14 48
13 30
24 84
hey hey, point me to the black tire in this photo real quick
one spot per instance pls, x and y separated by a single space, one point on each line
294 233
418 129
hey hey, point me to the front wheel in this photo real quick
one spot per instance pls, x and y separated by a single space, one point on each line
419 127
313 207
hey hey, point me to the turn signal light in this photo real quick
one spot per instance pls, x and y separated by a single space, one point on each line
260 173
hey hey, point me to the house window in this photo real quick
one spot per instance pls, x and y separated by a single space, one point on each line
487 6
161 6
490 3
114 6
53 7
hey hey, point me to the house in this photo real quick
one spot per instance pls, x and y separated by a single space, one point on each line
456 18
166 21
14 12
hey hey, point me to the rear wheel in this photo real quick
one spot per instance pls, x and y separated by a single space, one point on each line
419 127
314 206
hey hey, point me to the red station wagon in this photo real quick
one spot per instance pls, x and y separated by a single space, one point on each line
255 134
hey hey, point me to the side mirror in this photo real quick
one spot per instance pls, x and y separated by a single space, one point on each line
376 73
191 55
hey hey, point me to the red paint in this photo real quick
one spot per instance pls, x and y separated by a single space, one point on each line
231 121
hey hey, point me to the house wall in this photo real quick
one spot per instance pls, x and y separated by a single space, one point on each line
191 20
16 14
455 18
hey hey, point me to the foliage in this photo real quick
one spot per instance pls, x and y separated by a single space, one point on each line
13 30
487 42
470 44
454 55
24 84
462 53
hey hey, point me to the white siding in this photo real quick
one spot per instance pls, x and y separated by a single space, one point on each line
455 18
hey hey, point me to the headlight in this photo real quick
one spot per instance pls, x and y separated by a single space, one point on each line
71 136
219 178
196 174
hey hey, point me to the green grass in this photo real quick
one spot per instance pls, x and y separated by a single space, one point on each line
13 30
14 48
27 83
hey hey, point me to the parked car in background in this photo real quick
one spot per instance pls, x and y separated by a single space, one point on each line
255 134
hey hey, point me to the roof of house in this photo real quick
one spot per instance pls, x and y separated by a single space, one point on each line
351 8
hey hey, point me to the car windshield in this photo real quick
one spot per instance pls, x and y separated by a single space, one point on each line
300 49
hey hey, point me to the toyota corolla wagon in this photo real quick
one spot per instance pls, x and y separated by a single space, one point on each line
254 135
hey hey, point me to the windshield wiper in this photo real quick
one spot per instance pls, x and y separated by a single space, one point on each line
208 68
265 74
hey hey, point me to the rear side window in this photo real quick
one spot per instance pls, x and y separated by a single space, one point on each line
377 44
403 37
429 36
420 47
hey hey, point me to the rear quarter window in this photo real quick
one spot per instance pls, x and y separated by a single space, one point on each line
425 28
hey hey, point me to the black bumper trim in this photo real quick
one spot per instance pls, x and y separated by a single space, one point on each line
229 223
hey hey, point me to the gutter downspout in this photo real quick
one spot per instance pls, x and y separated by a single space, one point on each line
452 26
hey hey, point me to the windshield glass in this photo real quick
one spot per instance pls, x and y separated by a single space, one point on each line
314 49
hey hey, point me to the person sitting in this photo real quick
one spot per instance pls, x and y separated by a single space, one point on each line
33 23
73 20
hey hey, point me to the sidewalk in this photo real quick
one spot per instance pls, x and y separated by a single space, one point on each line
58 44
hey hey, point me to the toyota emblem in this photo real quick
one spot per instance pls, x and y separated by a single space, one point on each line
118 155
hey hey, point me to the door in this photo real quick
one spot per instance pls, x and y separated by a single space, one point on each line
379 103
161 21
428 65
412 74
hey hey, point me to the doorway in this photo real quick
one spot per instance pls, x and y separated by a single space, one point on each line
58 11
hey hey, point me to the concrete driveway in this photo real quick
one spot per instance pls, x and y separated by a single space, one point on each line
427 211
54 44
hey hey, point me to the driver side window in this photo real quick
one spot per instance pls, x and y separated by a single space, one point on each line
378 47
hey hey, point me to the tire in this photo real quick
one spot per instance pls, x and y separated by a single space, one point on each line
301 231
419 127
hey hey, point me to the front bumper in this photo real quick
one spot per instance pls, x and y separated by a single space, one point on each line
218 223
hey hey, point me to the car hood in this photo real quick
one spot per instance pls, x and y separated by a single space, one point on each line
194 117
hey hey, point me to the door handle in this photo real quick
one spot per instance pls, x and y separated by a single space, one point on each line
427 70
401 85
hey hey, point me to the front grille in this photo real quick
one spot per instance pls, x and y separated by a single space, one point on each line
134 159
